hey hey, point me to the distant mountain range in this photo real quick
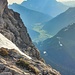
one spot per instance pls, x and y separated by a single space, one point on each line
30 18
50 7
60 21
36 12
59 50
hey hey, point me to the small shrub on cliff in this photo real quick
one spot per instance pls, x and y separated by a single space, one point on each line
34 69
42 60
23 63
3 51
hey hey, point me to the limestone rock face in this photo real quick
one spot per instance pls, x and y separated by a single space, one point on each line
13 28
3 4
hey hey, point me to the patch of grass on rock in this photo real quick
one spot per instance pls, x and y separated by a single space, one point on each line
23 63
34 69
4 52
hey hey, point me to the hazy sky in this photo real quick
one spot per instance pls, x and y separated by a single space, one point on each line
20 1
70 3
15 1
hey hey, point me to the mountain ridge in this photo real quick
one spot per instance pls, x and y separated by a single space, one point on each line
48 7
61 47
17 7
60 21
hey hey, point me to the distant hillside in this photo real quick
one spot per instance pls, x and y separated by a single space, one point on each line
60 50
50 7
62 20
30 17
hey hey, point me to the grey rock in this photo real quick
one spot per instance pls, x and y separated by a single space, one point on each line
6 73
2 66
13 28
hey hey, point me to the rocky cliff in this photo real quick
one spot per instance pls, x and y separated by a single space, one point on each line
16 47
13 28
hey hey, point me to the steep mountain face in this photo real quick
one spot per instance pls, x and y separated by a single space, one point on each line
30 18
18 55
62 20
13 28
50 7
11 57
61 49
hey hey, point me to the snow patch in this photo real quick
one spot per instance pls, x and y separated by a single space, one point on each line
4 42
65 29
60 43
44 52
58 37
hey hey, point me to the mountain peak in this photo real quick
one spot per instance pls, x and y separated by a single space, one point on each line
45 6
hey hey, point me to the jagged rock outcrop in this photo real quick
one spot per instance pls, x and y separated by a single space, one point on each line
13 28
12 61
11 65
